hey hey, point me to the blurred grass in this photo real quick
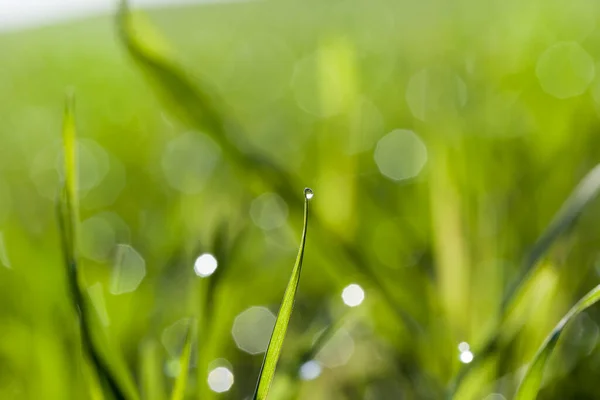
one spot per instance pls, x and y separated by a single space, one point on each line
315 86
529 387
180 385
68 221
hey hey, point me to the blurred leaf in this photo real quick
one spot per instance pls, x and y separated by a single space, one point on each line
267 371
530 385
151 375
67 206
184 365
196 104
193 103
583 194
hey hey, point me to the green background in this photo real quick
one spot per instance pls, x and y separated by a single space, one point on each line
503 95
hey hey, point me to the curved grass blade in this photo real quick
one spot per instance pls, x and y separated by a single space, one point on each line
530 385
584 193
184 365
292 371
267 370
67 209
194 103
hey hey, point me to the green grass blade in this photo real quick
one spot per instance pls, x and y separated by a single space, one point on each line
67 202
194 101
67 208
184 365
530 385
196 104
151 371
584 193
191 100
267 371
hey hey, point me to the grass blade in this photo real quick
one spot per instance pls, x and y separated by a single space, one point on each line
584 193
151 371
67 208
194 103
530 385
267 371
184 365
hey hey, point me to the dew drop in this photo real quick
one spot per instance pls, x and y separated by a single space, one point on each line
463 346
220 379
466 357
205 265
353 295
310 370
308 193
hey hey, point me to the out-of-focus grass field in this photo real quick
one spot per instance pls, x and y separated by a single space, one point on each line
440 139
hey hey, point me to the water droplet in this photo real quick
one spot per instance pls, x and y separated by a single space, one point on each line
310 370
466 357
463 346
308 193
353 295
220 379
205 265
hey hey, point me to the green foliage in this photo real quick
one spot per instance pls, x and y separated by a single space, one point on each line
67 206
530 385
440 143
267 371
192 102
585 192
184 365
198 106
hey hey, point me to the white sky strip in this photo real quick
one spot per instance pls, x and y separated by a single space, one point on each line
23 14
